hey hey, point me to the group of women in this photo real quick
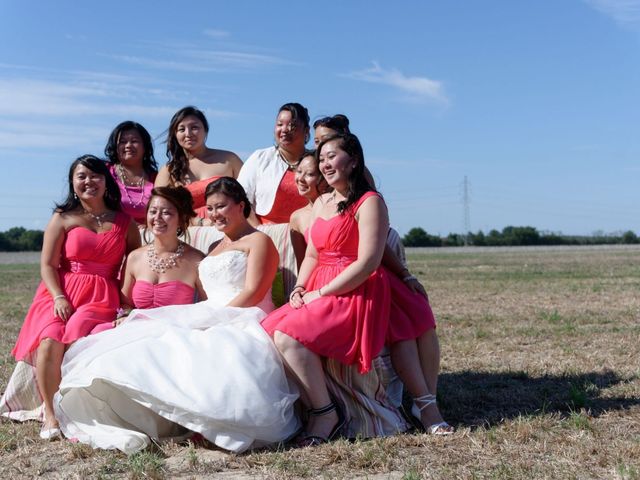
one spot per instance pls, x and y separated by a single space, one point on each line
198 345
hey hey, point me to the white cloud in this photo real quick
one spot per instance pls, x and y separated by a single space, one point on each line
417 88
165 64
24 97
208 61
624 12
215 33
25 135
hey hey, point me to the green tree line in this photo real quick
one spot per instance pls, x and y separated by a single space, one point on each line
19 239
512 236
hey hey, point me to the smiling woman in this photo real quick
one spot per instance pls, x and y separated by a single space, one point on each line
191 163
84 245
129 151
268 174
164 272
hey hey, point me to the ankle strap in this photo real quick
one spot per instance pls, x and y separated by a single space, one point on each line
318 412
424 400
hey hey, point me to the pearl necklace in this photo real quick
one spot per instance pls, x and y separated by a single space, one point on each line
127 184
161 265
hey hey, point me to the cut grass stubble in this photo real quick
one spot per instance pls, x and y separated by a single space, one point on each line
540 374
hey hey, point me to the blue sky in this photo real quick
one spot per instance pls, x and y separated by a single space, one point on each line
537 103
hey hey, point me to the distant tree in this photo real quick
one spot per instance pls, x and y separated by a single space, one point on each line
453 240
520 236
19 239
477 239
5 244
14 234
31 240
494 238
630 237
418 237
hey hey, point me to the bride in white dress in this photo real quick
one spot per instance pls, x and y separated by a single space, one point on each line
208 368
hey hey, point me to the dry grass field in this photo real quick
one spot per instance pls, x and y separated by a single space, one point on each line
540 375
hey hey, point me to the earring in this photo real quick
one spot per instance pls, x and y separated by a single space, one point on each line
75 196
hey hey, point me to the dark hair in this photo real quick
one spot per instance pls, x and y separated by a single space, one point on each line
180 198
111 150
357 182
231 188
298 114
93 163
338 123
177 163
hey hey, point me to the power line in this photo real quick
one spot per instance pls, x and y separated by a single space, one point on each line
466 215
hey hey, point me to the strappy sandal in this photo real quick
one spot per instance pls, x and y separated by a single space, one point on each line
314 440
439 428
50 434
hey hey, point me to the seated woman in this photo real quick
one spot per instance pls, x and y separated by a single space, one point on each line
369 402
207 367
342 304
129 152
164 272
191 163
267 175
394 260
84 245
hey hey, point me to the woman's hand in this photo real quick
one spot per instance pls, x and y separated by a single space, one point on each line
119 320
121 315
309 297
295 299
62 308
415 286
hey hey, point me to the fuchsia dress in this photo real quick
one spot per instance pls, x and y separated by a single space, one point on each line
134 199
89 266
351 327
148 295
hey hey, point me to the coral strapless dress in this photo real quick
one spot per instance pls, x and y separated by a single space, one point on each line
148 295
197 190
89 266
351 327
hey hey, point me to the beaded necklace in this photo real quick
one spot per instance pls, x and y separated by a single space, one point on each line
139 184
161 265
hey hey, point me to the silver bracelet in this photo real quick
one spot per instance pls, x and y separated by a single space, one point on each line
408 278
62 295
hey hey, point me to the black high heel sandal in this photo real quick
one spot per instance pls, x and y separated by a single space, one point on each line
314 440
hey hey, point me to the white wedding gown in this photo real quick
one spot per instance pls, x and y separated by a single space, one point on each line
203 367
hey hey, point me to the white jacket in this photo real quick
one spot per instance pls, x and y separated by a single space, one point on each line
260 177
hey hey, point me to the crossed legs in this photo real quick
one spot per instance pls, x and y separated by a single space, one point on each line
306 368
417 363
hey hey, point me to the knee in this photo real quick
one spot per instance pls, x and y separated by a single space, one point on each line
284 343
50 349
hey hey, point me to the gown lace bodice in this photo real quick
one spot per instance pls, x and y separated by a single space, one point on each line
223 277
